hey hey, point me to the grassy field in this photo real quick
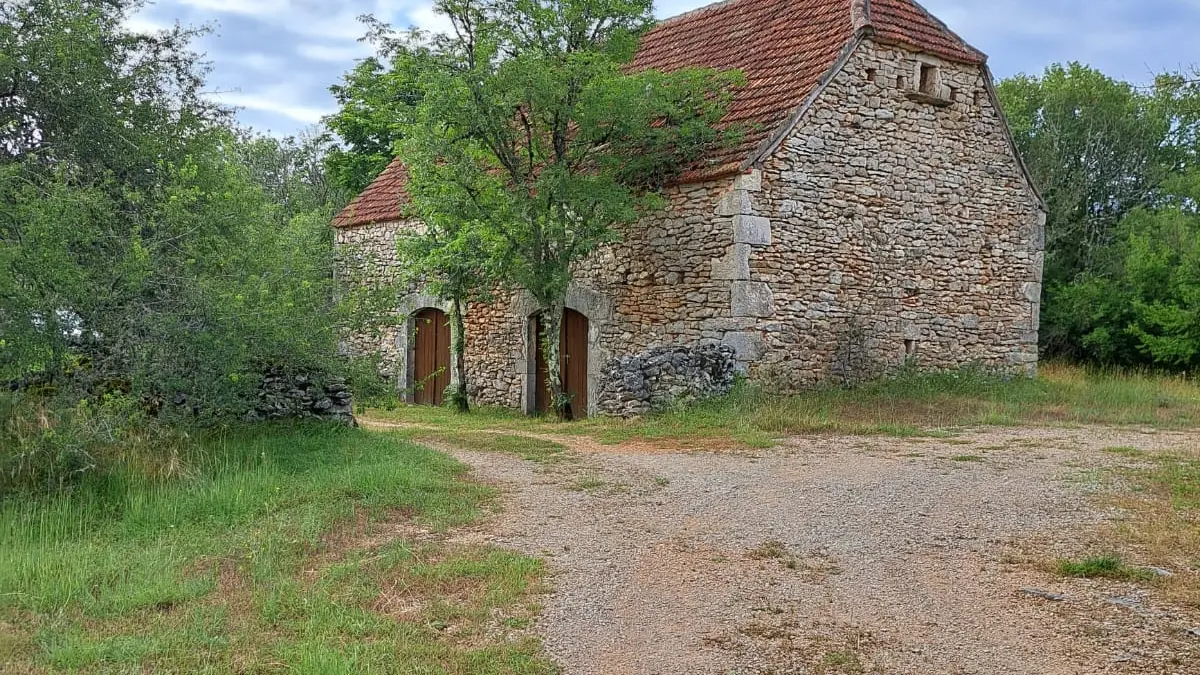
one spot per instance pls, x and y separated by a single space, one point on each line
297 550
909 405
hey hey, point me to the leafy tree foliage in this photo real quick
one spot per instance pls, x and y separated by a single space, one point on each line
532 140
1100 150
1141 302
145 244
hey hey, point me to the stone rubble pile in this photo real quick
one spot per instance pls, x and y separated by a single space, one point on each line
665 376
299 397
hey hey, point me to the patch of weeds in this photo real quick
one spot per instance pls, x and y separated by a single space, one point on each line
967 458
840 661
772 549
913 455
662 481
1162 522
958 441
1104 567
1127 451
589 483
269 551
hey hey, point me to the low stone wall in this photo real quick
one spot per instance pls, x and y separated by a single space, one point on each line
298 397
663 376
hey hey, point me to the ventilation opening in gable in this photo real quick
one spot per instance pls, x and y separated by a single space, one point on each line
870 74
929 79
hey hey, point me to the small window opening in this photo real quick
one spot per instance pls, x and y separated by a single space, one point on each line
910 348
870 74
929 79
901 82
954 94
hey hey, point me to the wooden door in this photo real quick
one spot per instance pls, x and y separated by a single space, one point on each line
431 357
573 364
575 361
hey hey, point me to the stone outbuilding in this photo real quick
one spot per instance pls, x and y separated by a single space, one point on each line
875 214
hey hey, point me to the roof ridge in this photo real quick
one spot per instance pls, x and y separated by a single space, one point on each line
860 14
967 46
695 12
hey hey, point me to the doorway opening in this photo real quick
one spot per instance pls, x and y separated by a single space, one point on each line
430 357
573 365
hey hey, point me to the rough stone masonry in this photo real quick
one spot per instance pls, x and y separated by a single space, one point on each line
887 221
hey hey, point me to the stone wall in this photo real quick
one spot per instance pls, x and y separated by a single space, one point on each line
366 255
665 376
900 228
283 396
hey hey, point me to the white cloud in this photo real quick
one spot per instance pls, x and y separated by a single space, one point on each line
342 54
143 23
425 18
276 100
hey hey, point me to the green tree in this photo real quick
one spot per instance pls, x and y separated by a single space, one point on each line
145 243
374 102
1098 149
531 129
1141 302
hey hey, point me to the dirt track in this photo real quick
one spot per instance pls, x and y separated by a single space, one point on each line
833 555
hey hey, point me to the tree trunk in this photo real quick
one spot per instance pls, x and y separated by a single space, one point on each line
552 317
458 351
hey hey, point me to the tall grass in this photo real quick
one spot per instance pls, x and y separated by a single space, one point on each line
911 403
222 563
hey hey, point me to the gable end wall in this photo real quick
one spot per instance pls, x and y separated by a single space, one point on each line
901 230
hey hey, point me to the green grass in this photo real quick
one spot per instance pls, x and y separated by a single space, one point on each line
910 405
290 549
1125 450
1104 566
967 458
531 449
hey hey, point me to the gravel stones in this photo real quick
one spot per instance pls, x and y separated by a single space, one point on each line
902 562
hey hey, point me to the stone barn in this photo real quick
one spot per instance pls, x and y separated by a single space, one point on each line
875 214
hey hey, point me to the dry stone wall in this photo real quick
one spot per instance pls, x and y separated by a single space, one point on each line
901 229
663 377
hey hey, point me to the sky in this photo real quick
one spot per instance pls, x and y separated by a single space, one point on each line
274 60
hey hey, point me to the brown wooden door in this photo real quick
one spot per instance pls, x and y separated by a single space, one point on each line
431 357
573 364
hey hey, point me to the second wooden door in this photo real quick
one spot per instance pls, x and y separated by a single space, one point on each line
573 365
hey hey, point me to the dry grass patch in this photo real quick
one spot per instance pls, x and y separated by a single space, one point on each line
1162 525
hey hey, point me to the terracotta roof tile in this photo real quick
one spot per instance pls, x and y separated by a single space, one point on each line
381 201
783 47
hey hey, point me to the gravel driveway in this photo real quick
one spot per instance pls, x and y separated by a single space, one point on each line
834 555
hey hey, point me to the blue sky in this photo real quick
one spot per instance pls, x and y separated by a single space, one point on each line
275 59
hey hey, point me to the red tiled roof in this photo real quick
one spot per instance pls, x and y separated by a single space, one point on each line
908 23
381 201
784 48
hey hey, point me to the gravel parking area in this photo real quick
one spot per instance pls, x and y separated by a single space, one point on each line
834 555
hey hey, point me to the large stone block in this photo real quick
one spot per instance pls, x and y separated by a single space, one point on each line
750 182
751 298
735 203
753 230
735 266
747 346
